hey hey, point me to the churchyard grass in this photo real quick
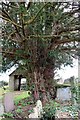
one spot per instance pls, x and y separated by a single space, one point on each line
21 96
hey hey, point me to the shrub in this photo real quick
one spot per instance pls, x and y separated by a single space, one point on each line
8 115
19 111
49 110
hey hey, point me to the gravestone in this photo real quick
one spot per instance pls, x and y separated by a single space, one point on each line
64 94
37 111
9 102
39 108
79 115
1 107
34 114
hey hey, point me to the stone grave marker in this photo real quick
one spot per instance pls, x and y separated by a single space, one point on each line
79 115
37 111
64 94
9 102
34 114
39 108
1 107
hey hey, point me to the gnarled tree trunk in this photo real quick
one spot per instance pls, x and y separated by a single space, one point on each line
44 85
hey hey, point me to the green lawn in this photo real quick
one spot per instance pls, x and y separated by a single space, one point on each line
17 97
23 95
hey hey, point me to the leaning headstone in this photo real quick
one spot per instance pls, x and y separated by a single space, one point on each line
34 114
9 102
37 111
39 108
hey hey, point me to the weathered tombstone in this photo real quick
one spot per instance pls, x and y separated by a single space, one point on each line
1 107
64 94
37 111
39 108
9 102
79 115
34 114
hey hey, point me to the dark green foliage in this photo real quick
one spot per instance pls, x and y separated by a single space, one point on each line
49 110
8 115
51 20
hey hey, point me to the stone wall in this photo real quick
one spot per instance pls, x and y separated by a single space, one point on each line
11 83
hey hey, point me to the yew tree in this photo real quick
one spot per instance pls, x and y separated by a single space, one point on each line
40 37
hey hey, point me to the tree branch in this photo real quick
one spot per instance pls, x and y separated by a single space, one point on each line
67 41
8 20
69 49
69 29
33 18
6 15
14 53
59 42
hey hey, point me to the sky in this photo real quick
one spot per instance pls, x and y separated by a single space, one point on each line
68 71
64 73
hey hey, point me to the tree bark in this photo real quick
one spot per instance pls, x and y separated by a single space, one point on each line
44 86
36 92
